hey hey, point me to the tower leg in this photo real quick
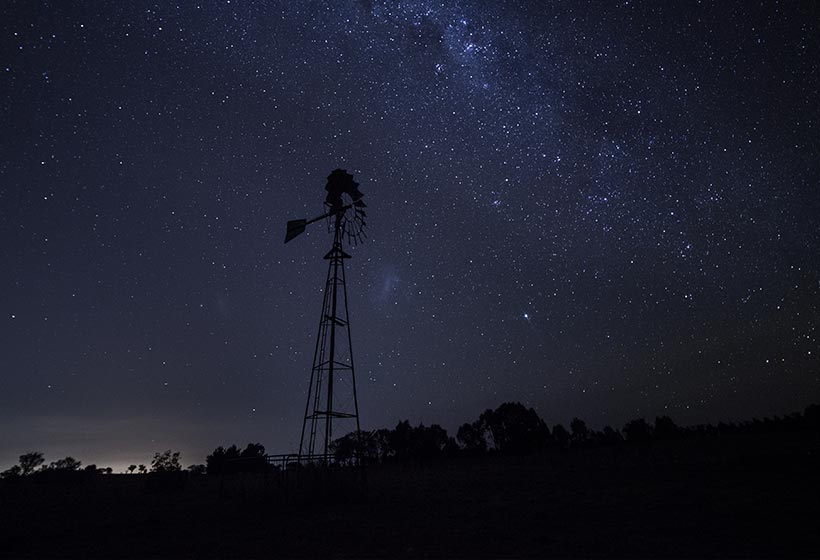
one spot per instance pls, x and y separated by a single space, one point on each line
332 408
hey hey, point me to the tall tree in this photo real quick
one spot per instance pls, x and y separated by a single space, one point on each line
665 428
471 437
167 461
30 461
560 436
515 429
580 432
637 430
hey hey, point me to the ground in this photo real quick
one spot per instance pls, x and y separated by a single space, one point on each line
706 497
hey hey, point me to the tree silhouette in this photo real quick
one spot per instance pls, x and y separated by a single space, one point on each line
367 446
215 462
30 461
665 428
346 448
66 464
608 436
12 472
514 428
374 446
560 436
435 441
253 450
430 441
811 417
253 458
167 461
580 433
471 437
421 442
400 441
131 469
231 460
141 469
637 430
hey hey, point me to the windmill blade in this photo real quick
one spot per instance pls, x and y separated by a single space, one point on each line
295 227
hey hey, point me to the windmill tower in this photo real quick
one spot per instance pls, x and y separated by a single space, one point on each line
332 408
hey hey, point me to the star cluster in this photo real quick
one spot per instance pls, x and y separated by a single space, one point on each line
600 210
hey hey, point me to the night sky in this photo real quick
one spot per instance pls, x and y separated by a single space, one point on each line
607 210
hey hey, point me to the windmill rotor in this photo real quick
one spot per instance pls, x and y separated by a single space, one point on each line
344 207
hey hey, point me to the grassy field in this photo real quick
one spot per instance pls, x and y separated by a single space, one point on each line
740 496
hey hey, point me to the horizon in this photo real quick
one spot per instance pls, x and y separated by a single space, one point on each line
120 465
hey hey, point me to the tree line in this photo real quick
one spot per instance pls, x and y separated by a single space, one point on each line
510 429
33 464
514 429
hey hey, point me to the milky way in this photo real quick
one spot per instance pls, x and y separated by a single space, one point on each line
605 210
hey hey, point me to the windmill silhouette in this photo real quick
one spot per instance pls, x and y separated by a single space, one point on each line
332 400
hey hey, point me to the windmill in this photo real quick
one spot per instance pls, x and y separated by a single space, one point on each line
331 400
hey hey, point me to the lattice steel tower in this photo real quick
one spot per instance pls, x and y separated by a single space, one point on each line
332 407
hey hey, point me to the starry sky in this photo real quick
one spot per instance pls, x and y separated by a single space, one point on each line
599 209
